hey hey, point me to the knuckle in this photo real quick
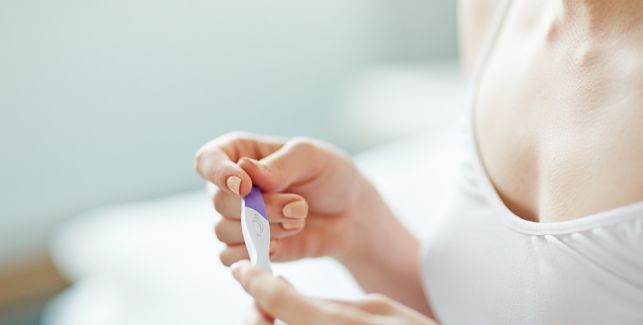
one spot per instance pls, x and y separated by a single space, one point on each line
219 201
218 175
198 159
303 144
224 258
234 137
219 230
201 160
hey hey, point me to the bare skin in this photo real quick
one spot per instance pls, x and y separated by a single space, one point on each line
558 125
332 199
560 108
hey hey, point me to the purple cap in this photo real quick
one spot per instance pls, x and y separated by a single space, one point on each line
254 200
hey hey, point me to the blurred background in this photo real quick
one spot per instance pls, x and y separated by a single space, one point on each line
105 102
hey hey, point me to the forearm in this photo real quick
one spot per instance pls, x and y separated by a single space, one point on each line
383 257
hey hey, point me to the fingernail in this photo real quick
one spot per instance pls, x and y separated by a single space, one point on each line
233 183
297 209
294 224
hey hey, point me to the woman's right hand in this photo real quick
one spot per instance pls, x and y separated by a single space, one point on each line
311 192
275 298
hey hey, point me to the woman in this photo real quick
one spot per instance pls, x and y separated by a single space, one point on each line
546 226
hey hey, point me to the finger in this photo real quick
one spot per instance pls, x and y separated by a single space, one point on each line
227 204
216 160
211 189
263 313
372 303
257 317
279 206
376 305
234 253
274 296
285 206
230 232
305 242
298 160
214 165
290 227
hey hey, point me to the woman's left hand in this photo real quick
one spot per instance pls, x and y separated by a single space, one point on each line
277 299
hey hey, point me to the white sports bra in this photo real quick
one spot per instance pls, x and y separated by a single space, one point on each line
483 264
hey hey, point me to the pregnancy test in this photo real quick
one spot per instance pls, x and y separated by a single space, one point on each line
256 229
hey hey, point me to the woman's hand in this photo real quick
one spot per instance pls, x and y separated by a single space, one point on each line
311 192
276 299
318 204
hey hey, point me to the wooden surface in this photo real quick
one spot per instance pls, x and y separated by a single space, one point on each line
34 280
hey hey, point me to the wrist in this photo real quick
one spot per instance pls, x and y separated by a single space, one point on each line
374 235
380 253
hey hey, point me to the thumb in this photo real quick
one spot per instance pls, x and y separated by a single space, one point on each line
297 161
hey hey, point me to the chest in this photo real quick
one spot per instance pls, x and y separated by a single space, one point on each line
559 126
